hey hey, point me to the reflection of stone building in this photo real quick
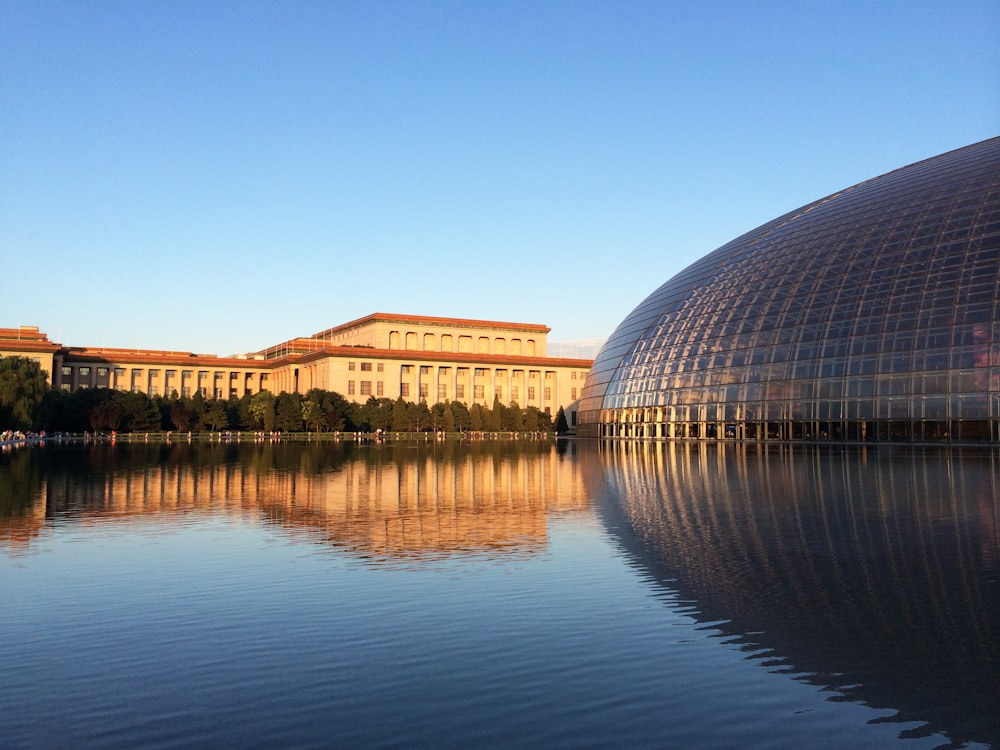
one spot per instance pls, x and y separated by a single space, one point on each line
870 575
420 500
381 355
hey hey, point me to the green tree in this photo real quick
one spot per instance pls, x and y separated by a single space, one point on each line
288 412
245 418
338 411
463 418
437 415
382 414
325 410
141 412
448 421
494 420
513 418
109 411
71 412
197 408
234 413
216 417
475 417
180 415
531 423
418 416
399 416
544 420
562 427
23 385
262 410
313 414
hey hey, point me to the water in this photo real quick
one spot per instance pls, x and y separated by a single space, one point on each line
519 594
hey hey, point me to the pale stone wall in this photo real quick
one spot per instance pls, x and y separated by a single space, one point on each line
430 359
446 335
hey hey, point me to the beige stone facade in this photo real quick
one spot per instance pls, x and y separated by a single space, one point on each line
28 341
382 355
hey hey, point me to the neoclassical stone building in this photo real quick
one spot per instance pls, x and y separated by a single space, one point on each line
381 355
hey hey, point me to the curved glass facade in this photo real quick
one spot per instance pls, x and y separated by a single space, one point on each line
870 315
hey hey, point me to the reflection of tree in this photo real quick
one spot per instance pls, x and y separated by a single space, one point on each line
871 573
413 499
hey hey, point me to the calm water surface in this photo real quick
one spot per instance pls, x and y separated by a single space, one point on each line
498 595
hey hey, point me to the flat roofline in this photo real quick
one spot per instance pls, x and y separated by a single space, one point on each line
158 357
381 317
360 353
22 333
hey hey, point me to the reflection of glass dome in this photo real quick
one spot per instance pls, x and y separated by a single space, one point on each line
872 314
871 575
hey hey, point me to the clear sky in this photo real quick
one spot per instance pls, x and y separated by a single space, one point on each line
221 176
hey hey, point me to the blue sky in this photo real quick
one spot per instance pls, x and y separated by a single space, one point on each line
219 177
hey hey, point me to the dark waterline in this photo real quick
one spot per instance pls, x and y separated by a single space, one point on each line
508 594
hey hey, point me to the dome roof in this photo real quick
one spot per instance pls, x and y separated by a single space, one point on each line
871 314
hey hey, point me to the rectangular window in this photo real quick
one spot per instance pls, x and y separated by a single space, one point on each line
119 372
460 391
572 394
67 371
514 393
379 388
404 390
480 391
171 373
366 367
185 374
425 370
350 366
218 393
573 375
350 387
498 390
423 390
531 393
102 372
442 391
186 392
366 387
548 393
232 375
405 369
154 390
380 367
85 372
218 375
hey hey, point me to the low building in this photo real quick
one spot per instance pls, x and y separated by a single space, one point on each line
417 358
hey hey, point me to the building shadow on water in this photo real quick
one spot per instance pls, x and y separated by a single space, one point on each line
872 574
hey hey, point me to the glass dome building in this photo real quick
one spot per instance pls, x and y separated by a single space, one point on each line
869 315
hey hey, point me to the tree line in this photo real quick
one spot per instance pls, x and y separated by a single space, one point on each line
26 403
